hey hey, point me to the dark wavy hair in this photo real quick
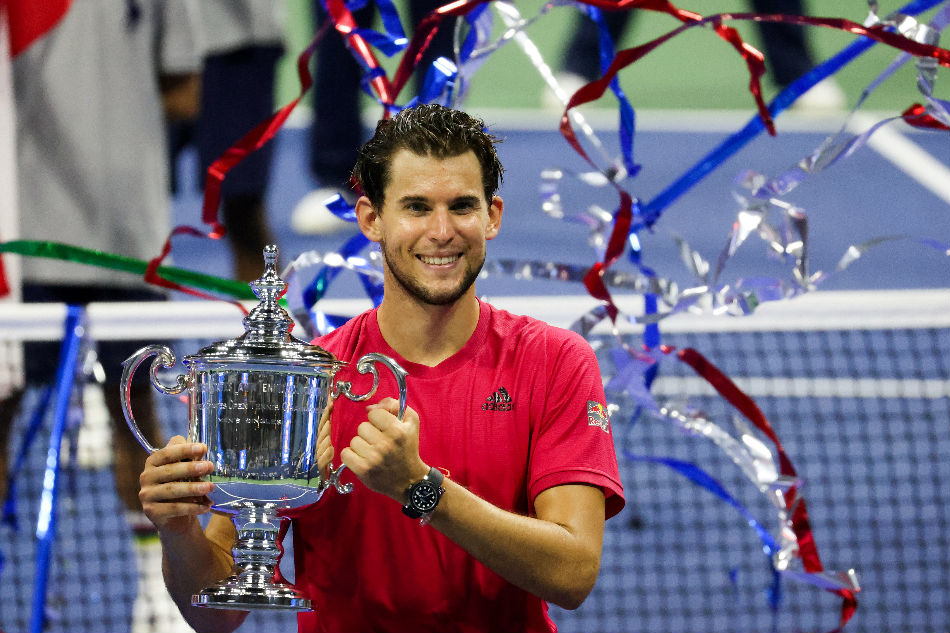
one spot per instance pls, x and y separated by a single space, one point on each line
426 130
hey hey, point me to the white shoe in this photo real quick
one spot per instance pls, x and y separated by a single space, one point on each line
154 611
312 217
94 436
94 446
824 96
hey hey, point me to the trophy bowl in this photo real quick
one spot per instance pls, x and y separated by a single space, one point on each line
257 402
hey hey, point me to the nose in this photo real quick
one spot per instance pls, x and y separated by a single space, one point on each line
441 227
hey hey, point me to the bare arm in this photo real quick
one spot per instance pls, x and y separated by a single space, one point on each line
190 559
555 555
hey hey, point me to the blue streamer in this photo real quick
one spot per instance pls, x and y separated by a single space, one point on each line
392 40
653 209
46 517
701 478
627 115
651 333
342 209
440 78
317 288
386 44
326 323
471 38
9 516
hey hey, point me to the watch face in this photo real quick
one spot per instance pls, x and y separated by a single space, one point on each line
424 496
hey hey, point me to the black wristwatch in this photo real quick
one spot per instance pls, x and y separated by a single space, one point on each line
423 496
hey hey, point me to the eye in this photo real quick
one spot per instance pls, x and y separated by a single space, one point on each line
416 208
464 207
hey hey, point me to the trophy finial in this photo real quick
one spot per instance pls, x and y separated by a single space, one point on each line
268 322
270 258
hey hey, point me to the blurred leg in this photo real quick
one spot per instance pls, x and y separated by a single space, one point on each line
9 406
337 131
239 88
582 54
786 49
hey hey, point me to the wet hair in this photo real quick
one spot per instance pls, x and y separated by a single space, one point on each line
425 130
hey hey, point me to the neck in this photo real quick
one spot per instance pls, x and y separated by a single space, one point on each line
427 334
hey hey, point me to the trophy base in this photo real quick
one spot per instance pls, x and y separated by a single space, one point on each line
232 595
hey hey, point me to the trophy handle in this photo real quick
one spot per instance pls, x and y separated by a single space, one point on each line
366 365
166 358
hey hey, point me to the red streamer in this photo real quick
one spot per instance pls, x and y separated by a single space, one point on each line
917 116
250 142
807 548
29 20
4 286
592 91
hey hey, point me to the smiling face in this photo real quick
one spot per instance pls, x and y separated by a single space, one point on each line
433 226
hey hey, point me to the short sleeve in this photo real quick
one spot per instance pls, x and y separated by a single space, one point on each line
572 439
181 46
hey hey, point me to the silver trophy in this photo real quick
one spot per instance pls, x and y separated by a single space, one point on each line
257 402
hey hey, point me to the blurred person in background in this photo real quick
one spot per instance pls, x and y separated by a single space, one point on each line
243 42
788 54
92 98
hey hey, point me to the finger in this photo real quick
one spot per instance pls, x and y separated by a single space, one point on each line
175 471
177 491
178 509
374 431
391 406
387 404
323 443
363 449
354 462
325 416
324 458
324 453
381 417
177 451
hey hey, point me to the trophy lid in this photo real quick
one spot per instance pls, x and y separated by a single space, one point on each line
267 327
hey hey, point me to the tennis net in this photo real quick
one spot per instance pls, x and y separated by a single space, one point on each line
856 386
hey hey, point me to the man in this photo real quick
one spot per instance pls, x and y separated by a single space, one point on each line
506 415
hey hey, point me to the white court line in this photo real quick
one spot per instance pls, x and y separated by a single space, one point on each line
821 310
906 155
802 387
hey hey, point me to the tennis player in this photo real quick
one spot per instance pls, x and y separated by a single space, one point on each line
488 500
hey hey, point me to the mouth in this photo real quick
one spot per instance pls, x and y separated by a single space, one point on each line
439 261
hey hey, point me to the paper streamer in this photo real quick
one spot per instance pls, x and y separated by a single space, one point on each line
779 482
652 210
10 514
46 518
86 256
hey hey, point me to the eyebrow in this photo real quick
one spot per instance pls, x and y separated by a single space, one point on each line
471 200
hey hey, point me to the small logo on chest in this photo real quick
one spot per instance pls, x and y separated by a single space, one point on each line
498 401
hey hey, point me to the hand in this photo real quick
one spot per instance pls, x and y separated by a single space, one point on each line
384 455
171 496
324 444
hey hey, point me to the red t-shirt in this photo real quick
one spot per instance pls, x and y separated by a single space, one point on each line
519 409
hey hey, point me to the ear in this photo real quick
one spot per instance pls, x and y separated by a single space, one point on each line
368 219
495 210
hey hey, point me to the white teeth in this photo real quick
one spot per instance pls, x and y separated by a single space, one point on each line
437 261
